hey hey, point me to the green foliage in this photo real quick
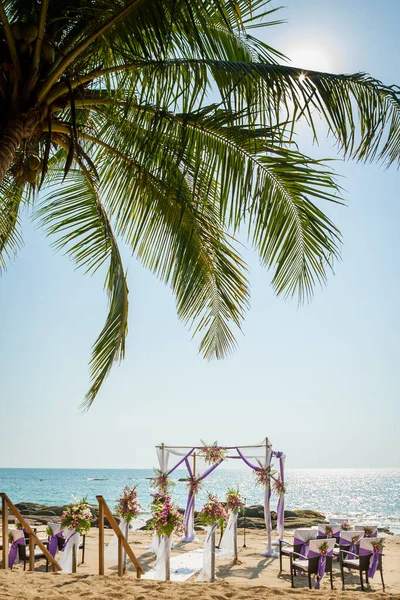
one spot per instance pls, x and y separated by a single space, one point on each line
111 99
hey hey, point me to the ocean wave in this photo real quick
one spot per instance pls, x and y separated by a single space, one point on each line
96 479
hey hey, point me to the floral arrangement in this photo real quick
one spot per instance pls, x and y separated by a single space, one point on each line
161 481
356 538
158 498
212 453
234 501
49 531
278 486
165 518
262 475
377 545
10 537
194 485
368 531
18 524
345 526
128 507
213 512
323 549
77 516
328 531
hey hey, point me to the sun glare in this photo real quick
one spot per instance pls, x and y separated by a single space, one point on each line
312 55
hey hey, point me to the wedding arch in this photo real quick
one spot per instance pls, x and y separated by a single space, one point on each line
259 457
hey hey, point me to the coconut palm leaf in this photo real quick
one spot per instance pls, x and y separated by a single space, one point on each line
75 214
114 96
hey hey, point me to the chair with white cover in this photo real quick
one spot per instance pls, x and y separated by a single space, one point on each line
369 530
301 539
317 562
349 541
23 550
329 530
367 560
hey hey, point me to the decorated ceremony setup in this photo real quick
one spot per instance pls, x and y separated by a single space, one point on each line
312 552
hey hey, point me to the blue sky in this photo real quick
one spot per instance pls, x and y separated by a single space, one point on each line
322 378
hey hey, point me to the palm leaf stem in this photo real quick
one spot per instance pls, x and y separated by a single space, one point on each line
39 40
59 70
10 41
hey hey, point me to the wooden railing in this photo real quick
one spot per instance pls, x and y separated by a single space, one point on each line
33 538
104 511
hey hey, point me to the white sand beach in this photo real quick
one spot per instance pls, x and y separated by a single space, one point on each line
254 578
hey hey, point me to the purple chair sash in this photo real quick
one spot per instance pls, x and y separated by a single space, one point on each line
321 565
12 555
53 543
303 544
374 560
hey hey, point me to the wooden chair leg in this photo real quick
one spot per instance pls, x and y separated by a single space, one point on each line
342 573
309 580
361 580
383 583
291 573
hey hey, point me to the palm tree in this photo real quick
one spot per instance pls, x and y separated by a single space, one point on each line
105 103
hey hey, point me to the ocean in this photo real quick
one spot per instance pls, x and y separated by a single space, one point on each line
366 496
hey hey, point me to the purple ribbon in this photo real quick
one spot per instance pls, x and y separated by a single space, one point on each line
373 565
191 498
374 561
178 464
53 543
321 565
12 555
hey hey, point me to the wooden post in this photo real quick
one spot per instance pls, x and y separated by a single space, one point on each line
4 525
122 543
74 558
120 559
235 545
167 542
101 538
212 577
31 553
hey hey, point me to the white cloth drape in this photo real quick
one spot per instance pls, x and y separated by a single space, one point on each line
206 573
111 552
72 539
161 569
228 543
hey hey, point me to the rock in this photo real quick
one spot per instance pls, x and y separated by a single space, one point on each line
251 523
256 510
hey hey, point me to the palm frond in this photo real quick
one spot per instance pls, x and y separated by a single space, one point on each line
74 213
11 196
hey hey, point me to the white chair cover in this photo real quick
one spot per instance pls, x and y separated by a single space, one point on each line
71 540
315 545
335 529
374 529
55 527
229 539
347 536
206 573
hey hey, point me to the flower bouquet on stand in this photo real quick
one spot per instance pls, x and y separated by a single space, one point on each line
165 520
127 509
76 520
234 504
212 515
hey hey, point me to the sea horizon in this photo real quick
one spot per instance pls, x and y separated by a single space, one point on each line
363 495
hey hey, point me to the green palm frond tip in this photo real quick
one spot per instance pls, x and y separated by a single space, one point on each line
106 130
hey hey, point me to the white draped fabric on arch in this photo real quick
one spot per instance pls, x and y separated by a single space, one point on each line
259 457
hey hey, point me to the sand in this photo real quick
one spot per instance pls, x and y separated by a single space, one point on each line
255 578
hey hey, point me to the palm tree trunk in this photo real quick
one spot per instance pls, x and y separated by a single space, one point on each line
11 136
